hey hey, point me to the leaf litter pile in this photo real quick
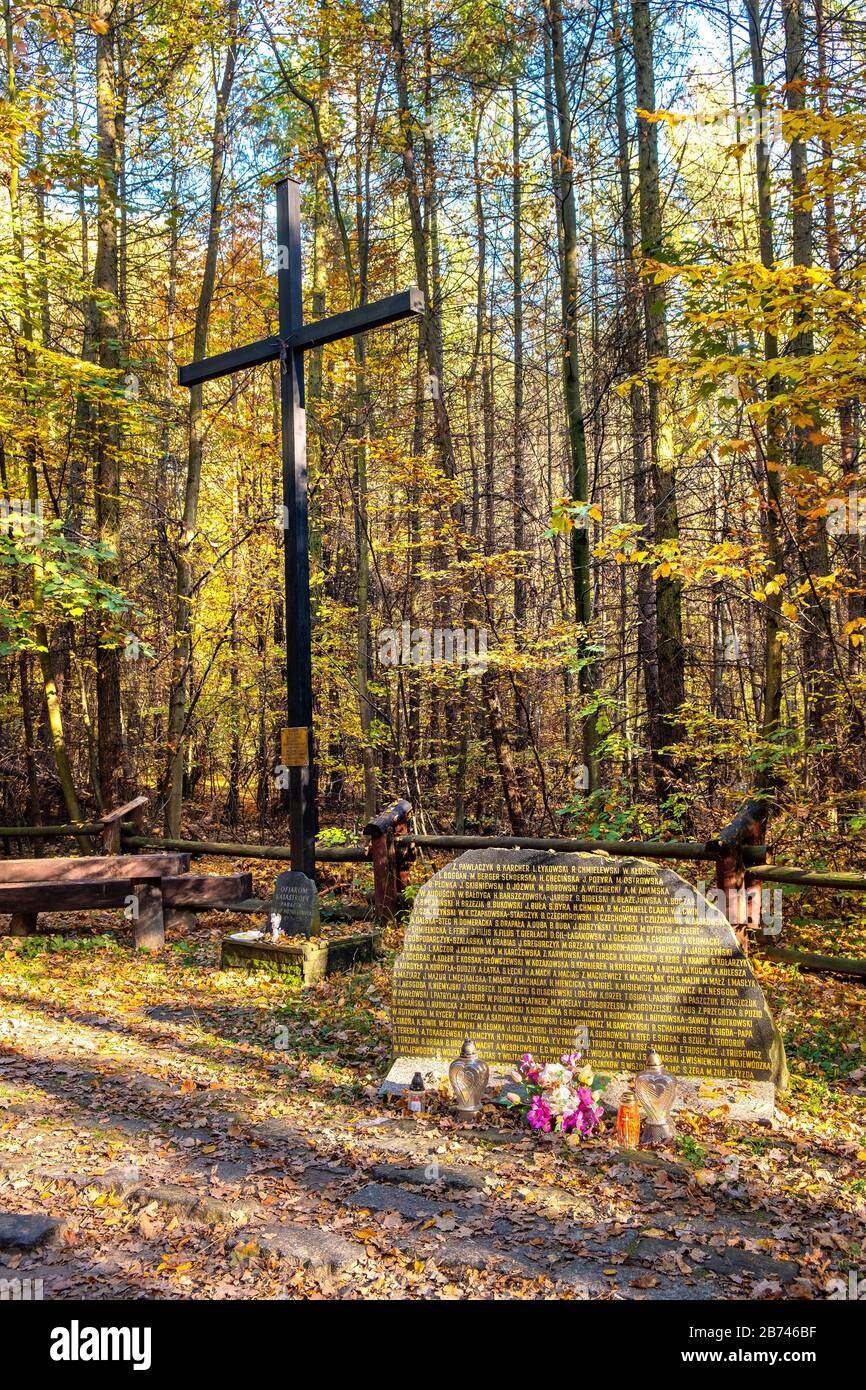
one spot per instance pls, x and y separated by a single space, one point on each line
170 1130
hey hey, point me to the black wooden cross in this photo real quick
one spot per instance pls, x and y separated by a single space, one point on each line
295 338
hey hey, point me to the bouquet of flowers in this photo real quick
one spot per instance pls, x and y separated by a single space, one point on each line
558 1096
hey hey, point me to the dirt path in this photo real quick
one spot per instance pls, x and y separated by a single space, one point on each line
170 1130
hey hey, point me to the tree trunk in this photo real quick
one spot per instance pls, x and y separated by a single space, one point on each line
848 460
643 511
581 564
504 758
182 653
518 477
523 715
107 434
430 326
772 701
25 318
807 455
669 623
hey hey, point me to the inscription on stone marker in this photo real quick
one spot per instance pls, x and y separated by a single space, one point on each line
296 904
523 950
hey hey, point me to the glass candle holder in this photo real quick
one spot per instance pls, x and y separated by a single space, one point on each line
416 1096
468 1076
628 1121
656 1090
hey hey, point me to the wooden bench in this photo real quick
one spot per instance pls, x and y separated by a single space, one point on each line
152 887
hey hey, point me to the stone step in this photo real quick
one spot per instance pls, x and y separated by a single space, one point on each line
430 1174
304 1246
383 1197
28 1230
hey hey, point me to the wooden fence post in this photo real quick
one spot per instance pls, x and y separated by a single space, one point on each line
389 865
742 891
111 828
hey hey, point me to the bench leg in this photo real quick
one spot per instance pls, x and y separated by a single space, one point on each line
22 924
150 923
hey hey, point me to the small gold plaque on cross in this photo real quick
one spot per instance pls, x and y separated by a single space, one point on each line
294 747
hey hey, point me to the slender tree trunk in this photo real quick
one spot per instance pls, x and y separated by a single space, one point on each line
122 212
34 810
643 511
518 483
669 622
53 710
431 326
553 150
233 800
848 461
581 563
84 410
107 435
315 359
182 654
430 332
504 757
772 701
807 455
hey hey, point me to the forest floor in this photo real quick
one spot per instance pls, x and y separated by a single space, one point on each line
170 1130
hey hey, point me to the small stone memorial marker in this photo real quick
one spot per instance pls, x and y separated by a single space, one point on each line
532 951
295 910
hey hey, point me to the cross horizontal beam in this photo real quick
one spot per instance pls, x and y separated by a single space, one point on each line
310 335
224 363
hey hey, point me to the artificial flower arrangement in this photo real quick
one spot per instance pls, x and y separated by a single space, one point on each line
558 1097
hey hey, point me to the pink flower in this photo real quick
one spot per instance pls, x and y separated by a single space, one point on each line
528 1067
539 1115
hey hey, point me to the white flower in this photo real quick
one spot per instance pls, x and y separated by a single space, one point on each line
561 1098
554 1073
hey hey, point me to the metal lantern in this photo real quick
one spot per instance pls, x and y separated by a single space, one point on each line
468 1076
655 1090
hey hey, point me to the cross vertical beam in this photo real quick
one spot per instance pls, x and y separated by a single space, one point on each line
293 340
299 663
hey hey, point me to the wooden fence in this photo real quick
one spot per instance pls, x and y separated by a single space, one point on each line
739 853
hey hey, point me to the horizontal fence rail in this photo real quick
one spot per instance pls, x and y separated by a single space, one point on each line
326 854
28 832
642 849
809 878
812 960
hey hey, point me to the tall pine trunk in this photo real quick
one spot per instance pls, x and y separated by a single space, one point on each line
581 565
647 658
669 619
107 432
807 456
772 701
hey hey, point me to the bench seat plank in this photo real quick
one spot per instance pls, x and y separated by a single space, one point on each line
207 890
200 891
93 869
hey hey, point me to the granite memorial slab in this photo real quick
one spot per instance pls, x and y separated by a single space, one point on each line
533 951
